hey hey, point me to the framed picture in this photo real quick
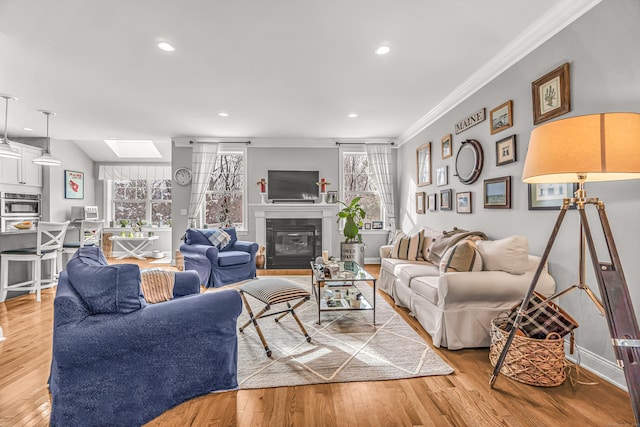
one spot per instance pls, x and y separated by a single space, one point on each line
550 196
332 196
506 150
376 225
442 176
445 200
501 117
420 202
433 202
367 226
463 202
551 95
73 185
447 147
497 193
423 164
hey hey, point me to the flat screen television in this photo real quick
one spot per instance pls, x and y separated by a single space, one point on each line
292 185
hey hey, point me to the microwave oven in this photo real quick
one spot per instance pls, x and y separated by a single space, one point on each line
80 213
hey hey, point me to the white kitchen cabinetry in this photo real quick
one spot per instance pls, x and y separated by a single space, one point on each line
21 171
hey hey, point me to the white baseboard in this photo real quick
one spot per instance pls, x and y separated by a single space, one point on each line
605 369
372 260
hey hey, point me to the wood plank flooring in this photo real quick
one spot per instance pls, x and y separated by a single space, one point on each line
461 399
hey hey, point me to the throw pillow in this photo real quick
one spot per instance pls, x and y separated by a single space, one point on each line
105 288
231 231
462 257
510 254
218 237
157 284
408 247
429 236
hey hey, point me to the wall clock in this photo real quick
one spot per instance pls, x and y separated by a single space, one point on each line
182 176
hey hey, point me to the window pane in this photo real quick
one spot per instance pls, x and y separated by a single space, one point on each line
129 210
161 212
370 202
161 189
224 208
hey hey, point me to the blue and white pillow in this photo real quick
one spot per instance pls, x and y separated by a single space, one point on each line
218 237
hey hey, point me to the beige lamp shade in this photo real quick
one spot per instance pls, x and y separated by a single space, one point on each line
600 147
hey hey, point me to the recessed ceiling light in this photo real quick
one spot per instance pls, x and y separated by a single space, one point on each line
166 47
383 50
223 114
353 115
28 129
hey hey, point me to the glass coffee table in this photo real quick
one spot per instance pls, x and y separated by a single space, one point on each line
336 287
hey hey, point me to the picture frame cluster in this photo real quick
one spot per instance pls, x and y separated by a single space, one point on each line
551 97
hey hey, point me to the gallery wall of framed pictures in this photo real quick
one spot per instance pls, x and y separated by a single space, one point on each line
551 98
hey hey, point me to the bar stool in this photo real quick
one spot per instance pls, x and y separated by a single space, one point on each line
90 235
50 236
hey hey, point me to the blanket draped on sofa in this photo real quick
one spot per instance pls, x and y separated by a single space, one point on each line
449 239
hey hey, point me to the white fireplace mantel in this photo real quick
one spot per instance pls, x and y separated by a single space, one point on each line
326 211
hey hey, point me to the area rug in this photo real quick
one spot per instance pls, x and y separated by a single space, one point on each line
345 347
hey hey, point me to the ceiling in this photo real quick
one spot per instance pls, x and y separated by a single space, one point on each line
279 68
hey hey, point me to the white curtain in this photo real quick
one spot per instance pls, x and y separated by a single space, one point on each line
380 165
203 160
134 171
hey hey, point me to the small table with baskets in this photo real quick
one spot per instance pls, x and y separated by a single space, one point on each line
335 287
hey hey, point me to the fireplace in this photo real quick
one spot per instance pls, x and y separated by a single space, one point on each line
293 242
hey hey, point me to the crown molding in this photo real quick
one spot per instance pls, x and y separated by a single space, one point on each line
557 18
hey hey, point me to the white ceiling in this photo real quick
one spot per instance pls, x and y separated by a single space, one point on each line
280 68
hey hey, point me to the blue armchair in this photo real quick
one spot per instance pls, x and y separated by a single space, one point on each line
218 267
120 361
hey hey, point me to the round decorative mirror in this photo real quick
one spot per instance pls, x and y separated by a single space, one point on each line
469 161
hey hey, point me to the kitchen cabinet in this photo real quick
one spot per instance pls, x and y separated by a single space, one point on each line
22 171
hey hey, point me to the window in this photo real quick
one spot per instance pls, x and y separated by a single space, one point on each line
359 183
225 194
141 199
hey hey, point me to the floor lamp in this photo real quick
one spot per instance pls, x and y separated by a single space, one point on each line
597 147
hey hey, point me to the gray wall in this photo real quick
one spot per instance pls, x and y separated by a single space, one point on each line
262 155
601 48
53 180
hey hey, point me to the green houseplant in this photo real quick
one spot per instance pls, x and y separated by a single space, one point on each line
353 214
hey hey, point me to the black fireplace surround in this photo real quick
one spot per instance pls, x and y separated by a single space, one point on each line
293 242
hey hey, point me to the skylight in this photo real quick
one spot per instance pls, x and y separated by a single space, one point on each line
133 148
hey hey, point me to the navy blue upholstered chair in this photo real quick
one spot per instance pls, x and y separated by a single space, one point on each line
218 266
118 361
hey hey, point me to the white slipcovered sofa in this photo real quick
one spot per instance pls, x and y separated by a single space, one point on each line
456 308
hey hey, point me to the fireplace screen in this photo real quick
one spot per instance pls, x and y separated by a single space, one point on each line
292 243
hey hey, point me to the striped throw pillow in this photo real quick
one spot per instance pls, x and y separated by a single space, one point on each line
408 247
462 257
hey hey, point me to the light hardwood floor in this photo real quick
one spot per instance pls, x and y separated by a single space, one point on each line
461 399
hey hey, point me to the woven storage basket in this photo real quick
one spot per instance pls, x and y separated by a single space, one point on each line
529 360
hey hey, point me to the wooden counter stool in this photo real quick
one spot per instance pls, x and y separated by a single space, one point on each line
50 236
273 291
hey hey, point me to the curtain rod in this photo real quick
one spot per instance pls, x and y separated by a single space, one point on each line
365 143
225 142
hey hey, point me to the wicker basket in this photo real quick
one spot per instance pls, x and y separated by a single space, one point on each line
529 360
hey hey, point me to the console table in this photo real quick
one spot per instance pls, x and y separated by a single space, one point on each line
133 246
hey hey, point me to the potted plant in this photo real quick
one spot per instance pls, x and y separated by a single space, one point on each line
352 249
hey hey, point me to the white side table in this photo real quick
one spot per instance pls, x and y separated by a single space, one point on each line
133 246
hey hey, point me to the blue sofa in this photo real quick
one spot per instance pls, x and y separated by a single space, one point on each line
118 361
218 267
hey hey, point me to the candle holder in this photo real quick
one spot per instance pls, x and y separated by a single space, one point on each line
263 198
323 185
263 185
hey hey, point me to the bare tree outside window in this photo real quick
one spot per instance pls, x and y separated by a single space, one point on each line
224 199
142 200
359 183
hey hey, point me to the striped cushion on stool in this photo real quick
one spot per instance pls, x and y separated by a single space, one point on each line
273 291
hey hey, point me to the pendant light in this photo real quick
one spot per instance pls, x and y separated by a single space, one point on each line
46 159
5 148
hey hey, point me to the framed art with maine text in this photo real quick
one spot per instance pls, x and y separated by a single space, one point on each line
73 185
